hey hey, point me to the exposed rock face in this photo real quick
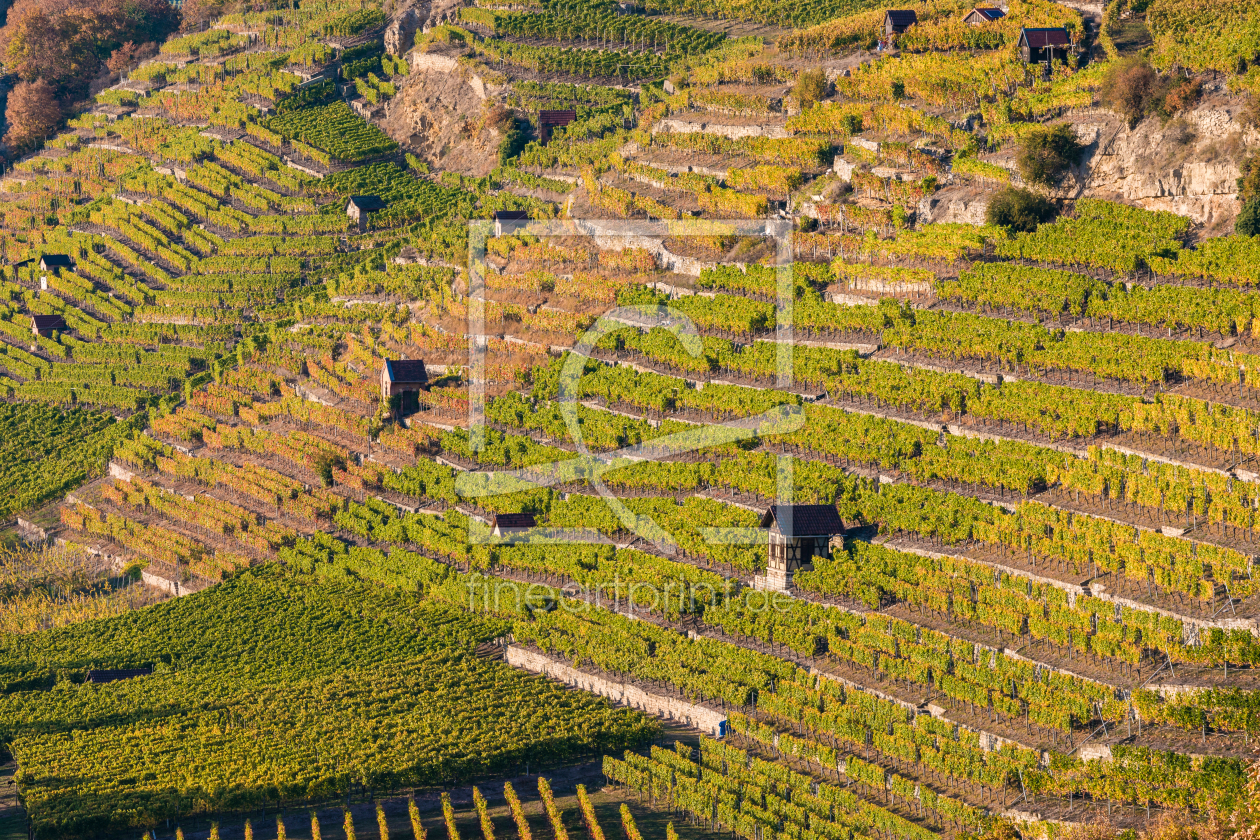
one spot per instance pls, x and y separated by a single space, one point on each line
412 16
439 115
1188 166
960 204
400 35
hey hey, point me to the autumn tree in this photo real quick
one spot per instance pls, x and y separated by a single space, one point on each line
33 114
129 55
1135 89
1019 210
197 13
1247 223
67 42
810 87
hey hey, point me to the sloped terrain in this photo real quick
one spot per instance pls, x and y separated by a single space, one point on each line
1041 442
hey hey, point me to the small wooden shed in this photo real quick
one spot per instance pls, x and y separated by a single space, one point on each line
53 262
46 325
549 121
509 221
359 206
897 21
1044 44
398 376
981 15
512 524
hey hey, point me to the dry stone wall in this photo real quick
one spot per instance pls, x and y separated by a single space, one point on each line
706 720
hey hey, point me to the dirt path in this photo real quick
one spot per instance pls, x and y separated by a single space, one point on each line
12 814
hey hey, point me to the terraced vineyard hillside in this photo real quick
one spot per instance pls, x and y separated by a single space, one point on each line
707 274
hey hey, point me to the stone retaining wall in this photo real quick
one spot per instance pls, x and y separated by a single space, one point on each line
882 287
433 61
706 720
613 240
733 132
30 531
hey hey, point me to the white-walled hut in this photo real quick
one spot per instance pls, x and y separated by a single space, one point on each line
359 206
897 21
512 524
798 534
398 376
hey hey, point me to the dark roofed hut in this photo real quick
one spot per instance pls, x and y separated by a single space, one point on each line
549 121
53 262
509 221
1042 45
398 376
897 21
46 325
359 206
981 15
511 524
798 534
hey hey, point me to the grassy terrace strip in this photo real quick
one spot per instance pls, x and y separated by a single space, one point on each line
1102 234
967 674
840 720
1002 286
1013 345
71 446
1169 563
1201 35
1228 260
706 190
776 14
595 63
408 199
878 576
1082 541
829 713
1012 465
790 151
600 568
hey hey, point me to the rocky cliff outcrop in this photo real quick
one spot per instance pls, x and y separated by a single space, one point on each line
1187 165
956 204
414 16
442 114
400 35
